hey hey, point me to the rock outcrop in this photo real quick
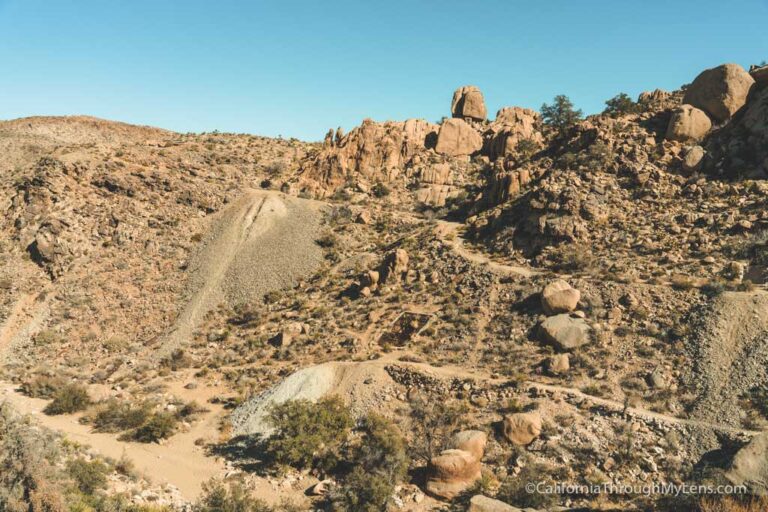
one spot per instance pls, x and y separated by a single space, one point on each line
435 185
394 267
468 103
760 75
750 465
457 138
688 124
512 126
720 91
522 428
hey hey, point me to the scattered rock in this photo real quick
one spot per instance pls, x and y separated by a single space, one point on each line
559 297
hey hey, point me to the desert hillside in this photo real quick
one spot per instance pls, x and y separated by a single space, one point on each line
409 316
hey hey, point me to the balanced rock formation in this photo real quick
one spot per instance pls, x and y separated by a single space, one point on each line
458 467
394 267
457 138
480 503
512 126
750 465
688 124
522 428
565 332
452 472
468 103
720 91
559 297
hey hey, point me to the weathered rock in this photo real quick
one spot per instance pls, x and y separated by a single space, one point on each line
522 428
364 217
651 97
559 297
688 124
457 138
394 267
436 185
558 364
759 74
452 472
565 332
468 102
750 465
472 441
480 503
369 279
693 158
287 334
512 126
720 91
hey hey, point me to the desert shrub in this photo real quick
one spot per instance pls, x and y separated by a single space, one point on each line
43 386
117 416
757 398
380 190
513 489
432 423
620 104
733 504
218 497
177 360
526 148
68 399
560 115
308 434
88 476
379 463
159 426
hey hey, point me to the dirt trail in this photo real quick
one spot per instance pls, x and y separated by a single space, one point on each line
448 232
263 241
178 462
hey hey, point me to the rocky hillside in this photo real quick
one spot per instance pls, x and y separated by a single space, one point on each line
489 303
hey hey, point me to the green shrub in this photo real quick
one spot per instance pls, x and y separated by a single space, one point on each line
233 498
43 386
117 416
88 476
513 490
308 434
159 426
68 399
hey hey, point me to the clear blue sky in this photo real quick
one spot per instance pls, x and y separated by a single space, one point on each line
296 68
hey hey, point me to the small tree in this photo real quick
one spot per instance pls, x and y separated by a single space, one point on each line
619 105
433 422
560 114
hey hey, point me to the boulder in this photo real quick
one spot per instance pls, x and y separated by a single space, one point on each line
287 334
651 97
559 297
688 124
558 364
720 91
750 465
693 158
565 332
522 428
480 503
512 125
436 185
457 138
472 441
468 103
452 472
394 267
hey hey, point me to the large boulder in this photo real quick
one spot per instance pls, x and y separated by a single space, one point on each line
565 332
750 465
688 124
472 441
522 428
720 91
468 103
457 138
559 297
452 472
693 158
480 503
394 267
